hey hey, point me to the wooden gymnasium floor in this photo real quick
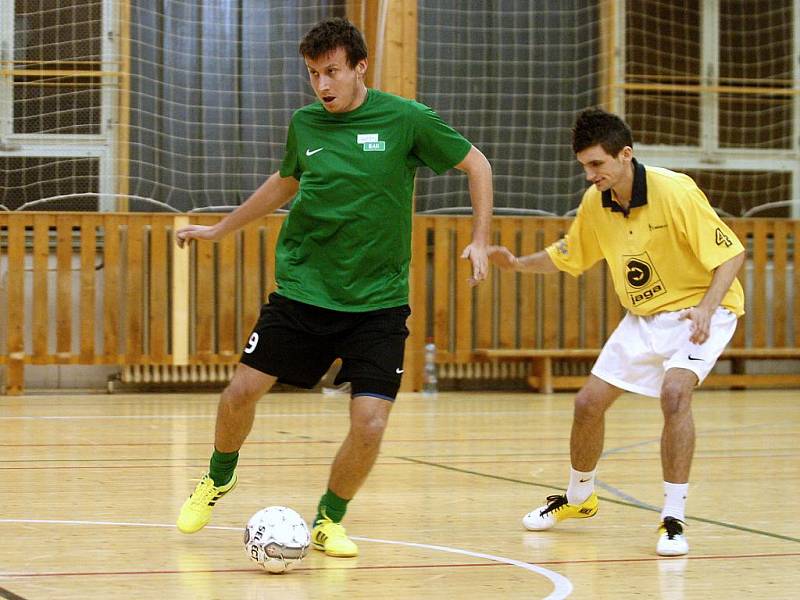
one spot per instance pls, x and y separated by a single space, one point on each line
91 485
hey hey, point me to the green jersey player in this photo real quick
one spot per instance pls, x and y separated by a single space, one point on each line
342 263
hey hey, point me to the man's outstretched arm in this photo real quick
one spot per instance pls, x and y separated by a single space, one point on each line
539 262
271 195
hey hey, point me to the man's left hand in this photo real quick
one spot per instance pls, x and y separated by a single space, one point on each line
701 323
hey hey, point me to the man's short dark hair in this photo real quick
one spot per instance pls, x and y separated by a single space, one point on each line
330 34
595 126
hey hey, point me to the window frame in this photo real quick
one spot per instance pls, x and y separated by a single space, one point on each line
103 145
709 155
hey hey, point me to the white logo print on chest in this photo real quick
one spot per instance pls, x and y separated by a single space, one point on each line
310 152
369 142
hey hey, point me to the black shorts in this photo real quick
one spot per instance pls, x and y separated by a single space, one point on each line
297 343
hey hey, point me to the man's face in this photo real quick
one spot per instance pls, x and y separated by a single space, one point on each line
339 87
604 170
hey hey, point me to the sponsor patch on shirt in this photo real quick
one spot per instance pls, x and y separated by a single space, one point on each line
370 142
562 248
363 138
641 279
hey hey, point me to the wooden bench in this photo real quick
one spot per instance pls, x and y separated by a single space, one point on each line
543 379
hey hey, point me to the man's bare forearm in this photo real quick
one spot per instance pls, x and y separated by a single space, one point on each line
540 262
721 282
270 195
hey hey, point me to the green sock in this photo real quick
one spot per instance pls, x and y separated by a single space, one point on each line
222 466
331 506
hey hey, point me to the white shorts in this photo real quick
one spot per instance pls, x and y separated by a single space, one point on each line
641 350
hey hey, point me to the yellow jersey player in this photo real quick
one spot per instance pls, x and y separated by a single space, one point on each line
674 264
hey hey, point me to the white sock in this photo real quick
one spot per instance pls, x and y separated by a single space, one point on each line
675 500
581 485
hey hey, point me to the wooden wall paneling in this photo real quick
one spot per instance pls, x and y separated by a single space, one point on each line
158 302
506 308
205 284
64 303
252 291
485 297
226 296
180 292
553 231
464 305
569 310
273 225
529 304
442 272
795 283
779 282
742 229
15 382
112 281
593 307
41 326
417 323
134 287
760 321
88 288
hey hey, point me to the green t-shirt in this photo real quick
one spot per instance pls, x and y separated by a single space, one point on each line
346 243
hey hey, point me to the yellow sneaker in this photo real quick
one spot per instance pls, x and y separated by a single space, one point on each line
557 509
196 511
331 538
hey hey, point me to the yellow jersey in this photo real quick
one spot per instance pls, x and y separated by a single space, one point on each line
662 252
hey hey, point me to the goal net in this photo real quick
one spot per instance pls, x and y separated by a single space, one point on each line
139 105
105 105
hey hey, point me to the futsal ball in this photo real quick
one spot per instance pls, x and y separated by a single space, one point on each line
277 538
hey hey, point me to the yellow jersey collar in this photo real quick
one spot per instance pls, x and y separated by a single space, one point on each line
639 192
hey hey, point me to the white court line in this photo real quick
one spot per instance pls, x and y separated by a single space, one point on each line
562 585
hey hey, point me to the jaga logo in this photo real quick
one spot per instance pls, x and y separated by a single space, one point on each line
641 280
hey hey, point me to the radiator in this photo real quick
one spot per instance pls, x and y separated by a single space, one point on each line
222 373
487 370
507 370
172 374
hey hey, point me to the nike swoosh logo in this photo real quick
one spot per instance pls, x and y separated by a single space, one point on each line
693 358
585 480
398 371
310 152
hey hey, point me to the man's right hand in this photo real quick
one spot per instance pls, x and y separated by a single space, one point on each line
502 257
196 232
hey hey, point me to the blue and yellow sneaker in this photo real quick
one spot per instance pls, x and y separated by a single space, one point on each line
557 509
330 538
196 511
